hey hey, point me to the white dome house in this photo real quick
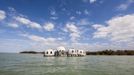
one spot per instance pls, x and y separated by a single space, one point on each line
81 53
49 52
72 52
60 51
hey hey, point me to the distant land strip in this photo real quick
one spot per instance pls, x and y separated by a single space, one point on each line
104 52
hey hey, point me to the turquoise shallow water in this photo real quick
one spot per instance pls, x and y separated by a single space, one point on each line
31 64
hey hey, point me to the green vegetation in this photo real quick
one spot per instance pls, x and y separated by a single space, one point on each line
111 52
31 52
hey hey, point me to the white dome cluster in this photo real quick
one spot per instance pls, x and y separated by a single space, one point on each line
61 51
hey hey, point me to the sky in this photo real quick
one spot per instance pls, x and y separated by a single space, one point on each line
81 24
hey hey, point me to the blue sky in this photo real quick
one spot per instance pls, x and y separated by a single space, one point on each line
82 24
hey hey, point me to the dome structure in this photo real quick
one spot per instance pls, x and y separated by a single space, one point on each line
81 52
49 52
72 51
61 48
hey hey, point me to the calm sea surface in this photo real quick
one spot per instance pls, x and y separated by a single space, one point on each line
32 64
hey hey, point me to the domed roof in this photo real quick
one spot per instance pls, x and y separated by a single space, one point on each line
60 48
72 49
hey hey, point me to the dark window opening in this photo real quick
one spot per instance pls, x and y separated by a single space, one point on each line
72 51
51 52
46 52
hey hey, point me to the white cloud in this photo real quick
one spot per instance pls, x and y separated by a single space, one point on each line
54 42
96 26
84 22
49 26
118 29
102 31
46 42
92 1
72 18
13 25
73 30
124 6
54 18
27 22
35 25
23 20
53 12
39 38
71 27
2 15
78 12
86 12
11 9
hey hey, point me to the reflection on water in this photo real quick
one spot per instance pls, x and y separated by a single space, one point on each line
30 64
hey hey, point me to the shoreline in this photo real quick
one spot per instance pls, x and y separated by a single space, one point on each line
103 52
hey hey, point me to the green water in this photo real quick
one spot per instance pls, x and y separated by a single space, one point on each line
30 64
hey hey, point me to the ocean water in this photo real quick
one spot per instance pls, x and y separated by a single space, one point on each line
36 64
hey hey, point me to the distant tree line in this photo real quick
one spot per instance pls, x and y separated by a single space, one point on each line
31 52
111 52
